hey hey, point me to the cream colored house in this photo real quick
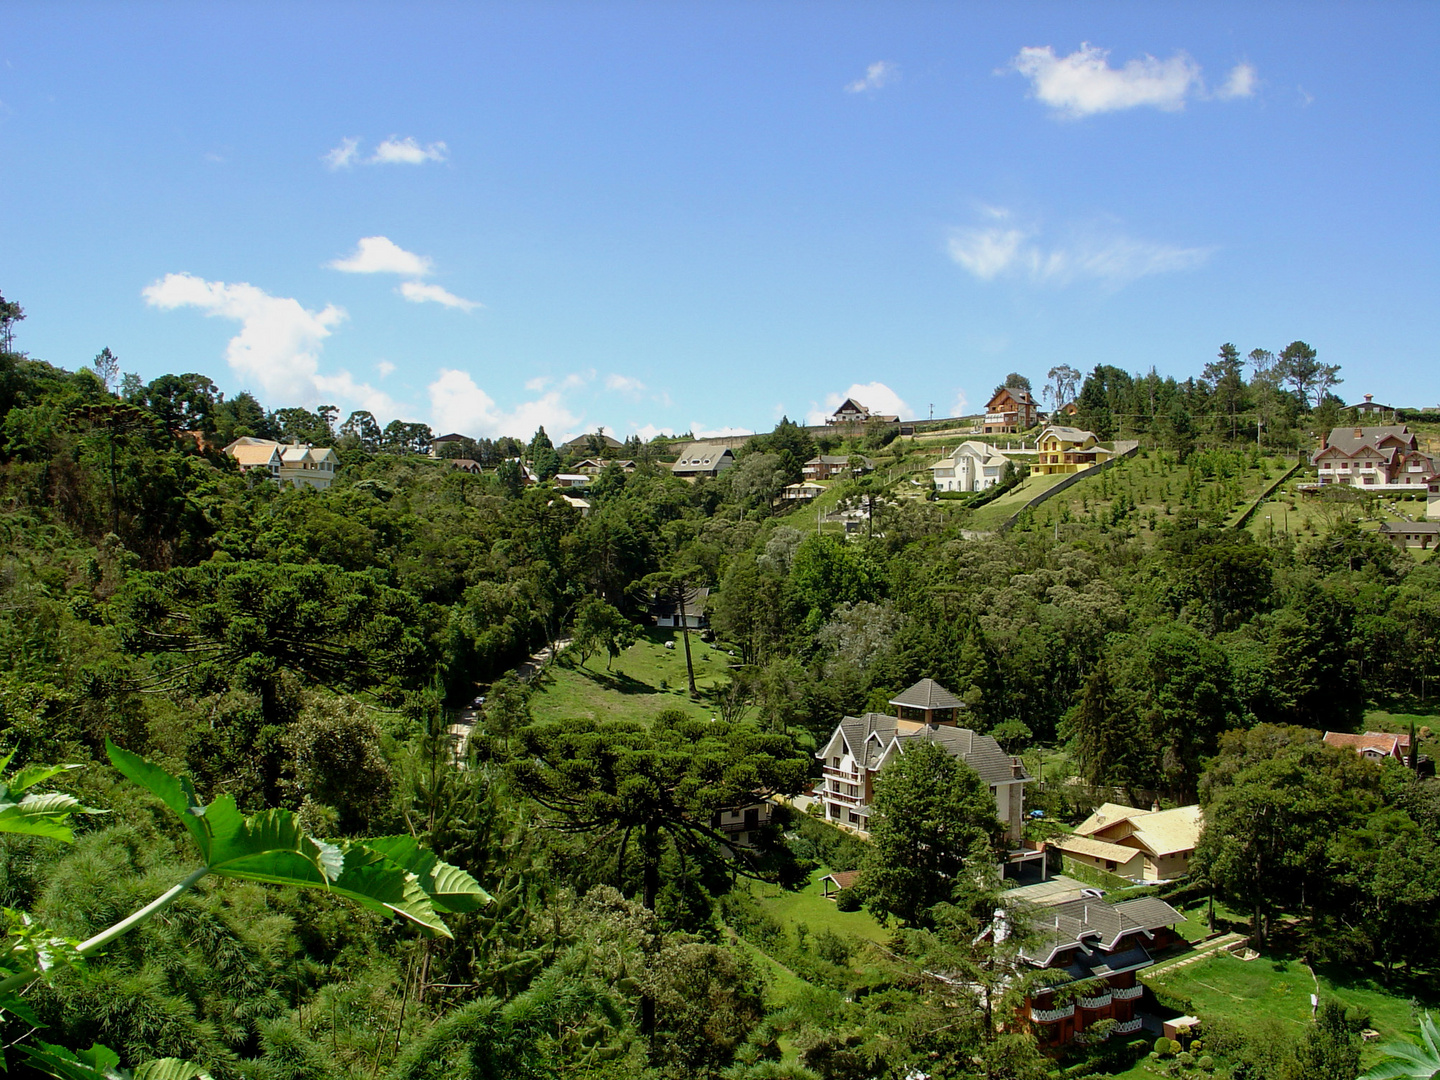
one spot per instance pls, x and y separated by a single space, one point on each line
971 466
299 464
1144 845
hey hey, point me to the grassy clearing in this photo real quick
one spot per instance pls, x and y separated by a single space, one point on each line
644 680
1280 985
993 514
1422 716
809 906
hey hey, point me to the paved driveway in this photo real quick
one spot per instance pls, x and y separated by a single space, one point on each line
1055 891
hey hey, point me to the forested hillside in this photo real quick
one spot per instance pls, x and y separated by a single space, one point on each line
306 650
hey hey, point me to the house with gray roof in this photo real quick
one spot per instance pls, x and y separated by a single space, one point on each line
1100 948
702 459
862 746
829 466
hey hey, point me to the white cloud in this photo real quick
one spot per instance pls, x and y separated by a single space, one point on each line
385 368
407 151
279 343
1084 83
624 384
962 403
418 292
277 350
986 252
577 379
876 76
646 432
381 255
1240 83
458 404
538 383
344 155
993 251
702 432
875 396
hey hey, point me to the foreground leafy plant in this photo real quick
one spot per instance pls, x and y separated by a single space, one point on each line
390 875
1406 1060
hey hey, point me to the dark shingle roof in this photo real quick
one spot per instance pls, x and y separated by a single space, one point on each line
927 694
1097 925
980 752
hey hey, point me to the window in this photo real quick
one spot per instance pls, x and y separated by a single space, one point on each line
854 818
1109 864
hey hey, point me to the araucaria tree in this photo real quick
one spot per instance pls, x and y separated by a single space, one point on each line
932 821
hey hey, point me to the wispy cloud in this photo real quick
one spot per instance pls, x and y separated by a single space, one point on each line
700 431
457 403
961 404
875 396
1006 250
419 292
385 368
1240 83
624 384
1083 83
277 350
344 155
381 255
393 151
877 75
408 151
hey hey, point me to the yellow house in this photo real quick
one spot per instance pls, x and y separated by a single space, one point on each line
1068 450
1144 845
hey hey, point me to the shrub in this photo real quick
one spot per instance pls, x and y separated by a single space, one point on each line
1162 1047
1206 1062
847 900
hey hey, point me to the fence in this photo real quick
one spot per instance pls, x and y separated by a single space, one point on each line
1123 450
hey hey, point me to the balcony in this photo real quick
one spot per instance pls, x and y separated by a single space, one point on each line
841 774
1001 418
1127 993
848 800
1099 1001
1049 1016
1128 1027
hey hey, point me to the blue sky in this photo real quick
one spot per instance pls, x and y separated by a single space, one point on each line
658 216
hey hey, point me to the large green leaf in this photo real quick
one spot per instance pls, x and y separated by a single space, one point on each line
102 1063
178 794
272 847
449 888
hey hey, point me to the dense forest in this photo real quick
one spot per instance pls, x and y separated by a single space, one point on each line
304 652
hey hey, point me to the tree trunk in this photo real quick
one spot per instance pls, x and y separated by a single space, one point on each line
685 633
652 887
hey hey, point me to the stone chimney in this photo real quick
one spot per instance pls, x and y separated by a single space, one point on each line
1369 397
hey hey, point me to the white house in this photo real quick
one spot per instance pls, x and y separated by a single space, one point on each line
971 466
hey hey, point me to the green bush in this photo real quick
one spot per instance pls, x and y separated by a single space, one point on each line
1207 1063
1162 1047
847 900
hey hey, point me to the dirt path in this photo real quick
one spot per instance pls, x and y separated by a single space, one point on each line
465 718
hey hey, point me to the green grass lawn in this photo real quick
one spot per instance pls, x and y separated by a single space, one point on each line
1422 716
1280 986
993 514
809 906
644 680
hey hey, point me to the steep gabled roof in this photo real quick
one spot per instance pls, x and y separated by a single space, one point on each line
701 457
850 405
